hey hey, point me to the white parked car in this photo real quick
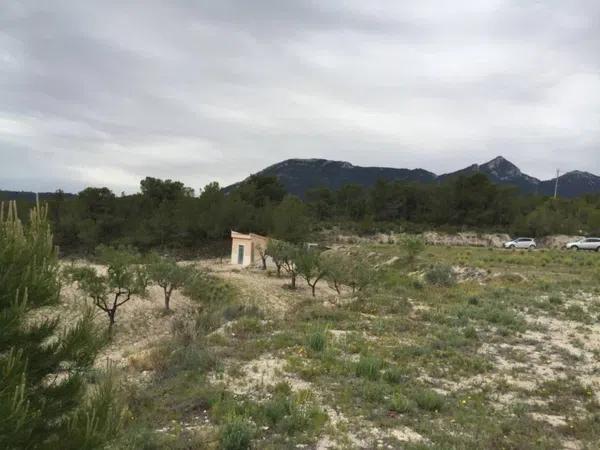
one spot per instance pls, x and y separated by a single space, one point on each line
527 243
585 244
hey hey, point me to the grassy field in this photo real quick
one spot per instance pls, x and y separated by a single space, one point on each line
502 352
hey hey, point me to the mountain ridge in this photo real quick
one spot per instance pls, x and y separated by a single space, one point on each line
298 175
30 196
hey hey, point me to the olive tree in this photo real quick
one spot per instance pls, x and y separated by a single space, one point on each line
124 278
359 275
167 274
275 249
311 266
285 254
263 253
336 267
289 256
347 270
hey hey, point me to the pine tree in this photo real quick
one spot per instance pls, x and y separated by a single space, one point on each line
44 400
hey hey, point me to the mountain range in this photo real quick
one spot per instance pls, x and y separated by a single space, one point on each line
300 175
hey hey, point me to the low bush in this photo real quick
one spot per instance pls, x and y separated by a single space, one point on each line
470 333
374 392
428 400
291 413
413 246
441 275
236 434
401 404
246 326
395 375
208 290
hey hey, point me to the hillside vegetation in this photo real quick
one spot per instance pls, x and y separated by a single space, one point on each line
397 345
167 215
442 348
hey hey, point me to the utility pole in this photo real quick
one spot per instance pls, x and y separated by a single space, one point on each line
556 184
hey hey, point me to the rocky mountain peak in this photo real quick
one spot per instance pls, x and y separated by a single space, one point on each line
501 168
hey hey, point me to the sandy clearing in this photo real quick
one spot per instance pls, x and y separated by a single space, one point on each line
258 375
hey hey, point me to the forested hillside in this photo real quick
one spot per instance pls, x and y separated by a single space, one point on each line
167 214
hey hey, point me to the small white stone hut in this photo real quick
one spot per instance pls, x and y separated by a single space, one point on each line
245 248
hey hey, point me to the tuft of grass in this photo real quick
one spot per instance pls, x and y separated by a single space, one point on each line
429 400
193 357
401 404
470 333
369 367
395 375
374 392
246 326
236 434
291 413
317 341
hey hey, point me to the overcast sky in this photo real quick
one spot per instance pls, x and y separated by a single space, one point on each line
104 93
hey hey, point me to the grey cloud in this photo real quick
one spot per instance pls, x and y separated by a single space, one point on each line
108 92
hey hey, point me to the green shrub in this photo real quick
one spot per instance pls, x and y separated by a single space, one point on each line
470 333
193 357
277 408
441 275
290 413
428 400
236 434
246 326
374 391
206 289
413 246
401 404
394 375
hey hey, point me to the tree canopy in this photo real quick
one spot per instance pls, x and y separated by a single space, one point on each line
167 214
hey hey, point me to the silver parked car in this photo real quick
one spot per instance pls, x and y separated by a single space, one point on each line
585 244
527 243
